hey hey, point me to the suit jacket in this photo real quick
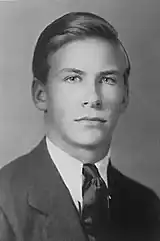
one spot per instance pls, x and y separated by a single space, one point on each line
35 204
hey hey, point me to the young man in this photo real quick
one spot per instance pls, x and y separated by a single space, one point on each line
66 188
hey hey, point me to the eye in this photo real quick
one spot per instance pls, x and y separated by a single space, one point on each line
109 80
72 79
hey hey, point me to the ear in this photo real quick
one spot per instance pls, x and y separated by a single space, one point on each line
39 95
125 100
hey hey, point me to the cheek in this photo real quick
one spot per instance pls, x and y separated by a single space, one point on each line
113 99
60 107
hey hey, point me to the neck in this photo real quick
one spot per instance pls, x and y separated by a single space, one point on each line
84 153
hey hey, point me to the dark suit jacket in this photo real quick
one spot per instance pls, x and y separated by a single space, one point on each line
35 205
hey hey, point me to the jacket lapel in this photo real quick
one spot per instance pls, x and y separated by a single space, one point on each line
48 194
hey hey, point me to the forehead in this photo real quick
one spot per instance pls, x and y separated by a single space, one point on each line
90 55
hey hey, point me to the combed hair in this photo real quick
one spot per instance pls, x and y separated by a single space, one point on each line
70 27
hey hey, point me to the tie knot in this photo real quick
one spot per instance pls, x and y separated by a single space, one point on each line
92 178
90 171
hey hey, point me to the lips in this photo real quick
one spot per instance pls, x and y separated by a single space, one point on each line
96 119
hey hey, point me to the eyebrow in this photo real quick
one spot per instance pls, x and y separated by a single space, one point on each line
80 72
72 70
109 72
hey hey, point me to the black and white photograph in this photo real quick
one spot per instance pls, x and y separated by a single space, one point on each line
80 120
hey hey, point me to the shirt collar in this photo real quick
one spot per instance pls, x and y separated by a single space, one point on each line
70 169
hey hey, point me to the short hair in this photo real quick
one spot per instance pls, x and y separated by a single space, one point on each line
70 27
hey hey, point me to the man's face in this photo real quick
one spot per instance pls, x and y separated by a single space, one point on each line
85 81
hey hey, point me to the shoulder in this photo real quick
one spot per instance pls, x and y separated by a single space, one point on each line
140 197
15 167
129 185
137 189
15 176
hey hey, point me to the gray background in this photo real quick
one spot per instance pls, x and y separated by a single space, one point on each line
136 143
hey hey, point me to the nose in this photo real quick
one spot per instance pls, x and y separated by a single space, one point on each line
93 98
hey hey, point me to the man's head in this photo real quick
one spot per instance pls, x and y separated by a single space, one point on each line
81 72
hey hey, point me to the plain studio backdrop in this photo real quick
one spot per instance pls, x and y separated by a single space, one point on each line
136 142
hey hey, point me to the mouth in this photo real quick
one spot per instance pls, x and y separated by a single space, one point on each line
92 119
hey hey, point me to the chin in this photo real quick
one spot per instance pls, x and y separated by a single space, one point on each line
89 141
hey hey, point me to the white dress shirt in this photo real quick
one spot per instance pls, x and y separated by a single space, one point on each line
70 170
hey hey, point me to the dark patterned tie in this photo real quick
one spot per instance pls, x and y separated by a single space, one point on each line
95 202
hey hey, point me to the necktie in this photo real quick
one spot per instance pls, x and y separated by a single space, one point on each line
95 202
